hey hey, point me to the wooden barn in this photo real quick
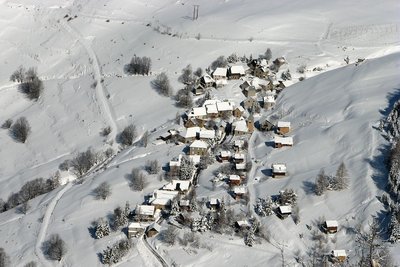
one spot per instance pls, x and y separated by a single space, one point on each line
339 255
278 170
283 127
135 229
153 229
284 211
234 180
283 141
236 72
331 226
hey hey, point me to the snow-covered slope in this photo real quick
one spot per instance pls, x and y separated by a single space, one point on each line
81 62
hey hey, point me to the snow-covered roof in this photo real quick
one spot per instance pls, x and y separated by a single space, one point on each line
283 124
283 140
220 72
183 185
184 202
239 143
211 108
136 225
269 99
331 223
240 166
234 177
197 112
240 108
154 226
165 194
199 144
285 209
214 201
207 78
221 82
225 106
195 158
208 134
240 126
239 190
225 153
145 210
279 167
190 132
339 253
243 223
239 156
160 201
176 161
237 69
211 102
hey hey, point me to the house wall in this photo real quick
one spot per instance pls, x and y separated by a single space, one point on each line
284 130
278 174
151 233
198 151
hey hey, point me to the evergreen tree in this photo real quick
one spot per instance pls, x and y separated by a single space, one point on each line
187 169
341 178
102 229
320 183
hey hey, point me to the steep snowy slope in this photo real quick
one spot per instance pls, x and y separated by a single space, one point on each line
81 61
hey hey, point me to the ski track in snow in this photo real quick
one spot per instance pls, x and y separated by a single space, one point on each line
147 255
45 223
100 90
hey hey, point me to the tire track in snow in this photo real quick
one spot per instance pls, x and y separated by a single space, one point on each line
45 223
148 254
100 90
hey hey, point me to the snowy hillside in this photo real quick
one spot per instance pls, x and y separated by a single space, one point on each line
80 49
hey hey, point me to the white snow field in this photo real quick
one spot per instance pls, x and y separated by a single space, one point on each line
333 113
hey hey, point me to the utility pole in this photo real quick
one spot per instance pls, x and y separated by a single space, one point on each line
196 12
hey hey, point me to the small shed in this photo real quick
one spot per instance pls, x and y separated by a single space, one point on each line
175 166
153 229
284 211
339 255
239 157
266 125
135 229
239 192
331 226
214 204
207 81
240 166
198 89
225 155
278 170
145 212
244 224
283 127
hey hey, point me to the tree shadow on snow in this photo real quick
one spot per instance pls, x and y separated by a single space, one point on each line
309 187
379 164
391 98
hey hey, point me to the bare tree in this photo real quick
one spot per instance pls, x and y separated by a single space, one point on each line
220 62
4 258
137 180
102 191
54 248
18 75
198 72
7 124
105 131
162 85
83 162
139 65
128 135
187 75
169 235
183 98
152 166
24 207
20 129
145 139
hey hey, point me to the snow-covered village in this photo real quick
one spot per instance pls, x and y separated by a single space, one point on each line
199 133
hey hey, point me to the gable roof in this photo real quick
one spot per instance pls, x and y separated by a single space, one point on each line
237 69
207 134
207 78
173 185
225 106
240 126
176 161
331 223
285 209
199 144
220 72
200 111
145 210
234 177
239 190
283 140
279 167
269 99
190 132
283 124
154 226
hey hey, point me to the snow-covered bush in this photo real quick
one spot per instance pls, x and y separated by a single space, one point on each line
288 197
120 218
116 252
264 207
102 191
187 169
152 166
7 124
220 62
169 235
139 65
183 98
102 228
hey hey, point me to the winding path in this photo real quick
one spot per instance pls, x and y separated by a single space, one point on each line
100 91
154 259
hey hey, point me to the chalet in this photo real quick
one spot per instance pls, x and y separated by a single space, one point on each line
238 111
198 113
225 107
284 211
238 145
331 226
153 229
239 157
283 141
240 127
249 103
161 203
266 125
220 128
261 72
161 199
250 123
214 204
135 229
198 147
278 170
191 122
189 135
279 61
239 192
243 225
206 134
236 72
211 110
199 89
184 204
240 166
207 81
249 91
220 74
225 155
175 166
283 127
234 180
181 186
269 101
339 255
145 213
